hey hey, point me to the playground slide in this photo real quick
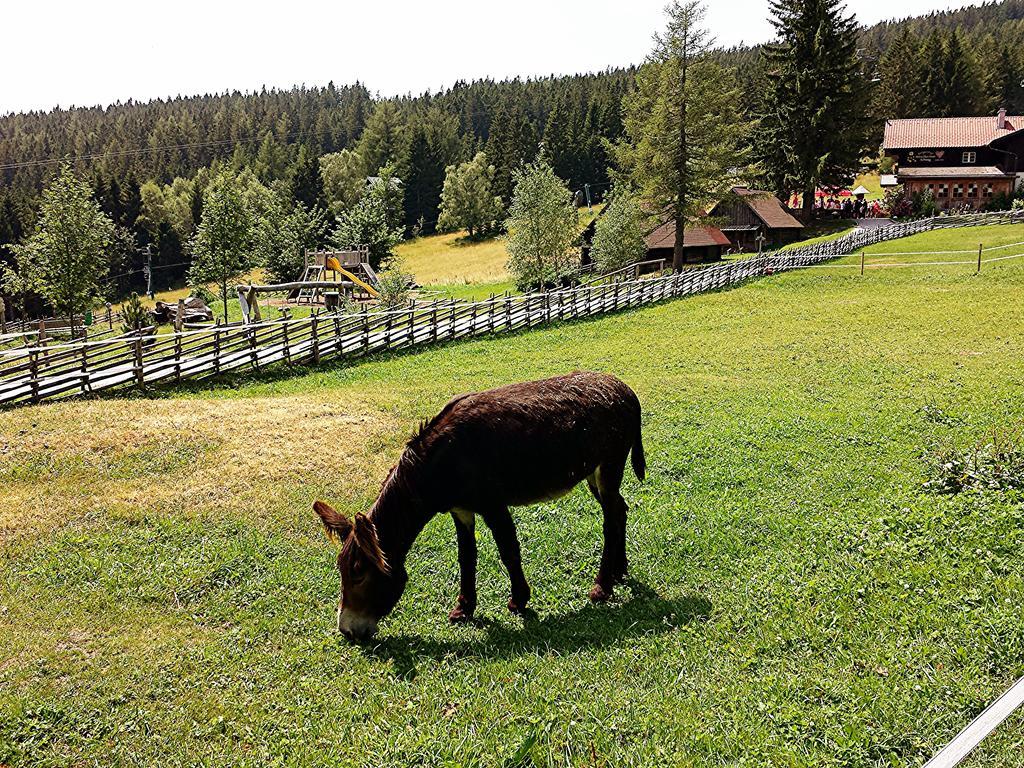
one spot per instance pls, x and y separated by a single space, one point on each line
334 266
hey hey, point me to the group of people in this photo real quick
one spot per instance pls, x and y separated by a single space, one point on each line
847 208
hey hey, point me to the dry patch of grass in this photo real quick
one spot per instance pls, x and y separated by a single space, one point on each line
454 258
122 459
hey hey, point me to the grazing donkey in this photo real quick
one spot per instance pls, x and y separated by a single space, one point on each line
481 454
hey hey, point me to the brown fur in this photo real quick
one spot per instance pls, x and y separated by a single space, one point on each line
483 453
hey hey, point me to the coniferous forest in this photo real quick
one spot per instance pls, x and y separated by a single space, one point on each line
148 163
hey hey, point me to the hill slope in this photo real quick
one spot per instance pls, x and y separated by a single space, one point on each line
796 597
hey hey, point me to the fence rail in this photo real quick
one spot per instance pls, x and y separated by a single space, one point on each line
53 370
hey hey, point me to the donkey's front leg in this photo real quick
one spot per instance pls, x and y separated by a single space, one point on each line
504 530
464 531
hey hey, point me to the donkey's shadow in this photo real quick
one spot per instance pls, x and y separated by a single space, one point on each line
643 612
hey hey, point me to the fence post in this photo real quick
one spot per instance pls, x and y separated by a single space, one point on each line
177 355
140 377
287 345
33 367
85 382
216 348
980 249
862 262
315 339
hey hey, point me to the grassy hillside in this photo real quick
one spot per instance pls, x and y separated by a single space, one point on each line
798 598
452 260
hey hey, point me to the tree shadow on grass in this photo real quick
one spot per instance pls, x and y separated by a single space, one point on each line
644 612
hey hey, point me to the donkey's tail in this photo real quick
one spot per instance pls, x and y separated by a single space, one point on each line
638 459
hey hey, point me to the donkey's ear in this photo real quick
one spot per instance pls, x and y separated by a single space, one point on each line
336 524
366 538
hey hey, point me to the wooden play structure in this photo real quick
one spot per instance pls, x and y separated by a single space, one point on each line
351 265
327 277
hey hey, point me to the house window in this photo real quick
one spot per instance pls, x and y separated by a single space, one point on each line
972 190
970 157
987 190
958 190
943 190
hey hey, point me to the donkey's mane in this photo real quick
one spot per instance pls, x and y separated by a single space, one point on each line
418 441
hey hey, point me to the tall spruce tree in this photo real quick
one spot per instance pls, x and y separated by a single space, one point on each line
306 184
433 145
381 141
813 126
897 96
958 72
932 76
512 144
684 147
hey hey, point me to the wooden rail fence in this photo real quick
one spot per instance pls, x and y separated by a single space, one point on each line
48 370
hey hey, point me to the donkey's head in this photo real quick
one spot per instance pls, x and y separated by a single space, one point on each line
370 586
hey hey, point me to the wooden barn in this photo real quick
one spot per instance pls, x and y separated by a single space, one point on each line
753 218
699 243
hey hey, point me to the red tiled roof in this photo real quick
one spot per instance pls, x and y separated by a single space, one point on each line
693 237
930 132
955 172
768 209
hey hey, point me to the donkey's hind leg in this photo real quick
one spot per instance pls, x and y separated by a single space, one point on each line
604 484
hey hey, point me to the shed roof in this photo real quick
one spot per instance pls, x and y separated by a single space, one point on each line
768 208
664 236
942 132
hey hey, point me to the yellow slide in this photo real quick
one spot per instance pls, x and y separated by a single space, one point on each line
335 266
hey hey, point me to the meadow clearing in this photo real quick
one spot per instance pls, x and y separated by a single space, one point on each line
797 596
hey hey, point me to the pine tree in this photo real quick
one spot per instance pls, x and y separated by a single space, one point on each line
306 184
961 83
932 77
381 141
684 147
562 145
897 96
813 131
512 144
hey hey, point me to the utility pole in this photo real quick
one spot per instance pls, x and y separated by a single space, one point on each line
148 270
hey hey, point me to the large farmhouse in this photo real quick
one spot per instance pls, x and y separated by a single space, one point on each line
963 161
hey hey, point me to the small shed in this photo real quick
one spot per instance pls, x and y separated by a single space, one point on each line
700 243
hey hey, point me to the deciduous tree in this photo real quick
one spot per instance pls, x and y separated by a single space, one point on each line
468 200
543 228
619 233
224 244
63 260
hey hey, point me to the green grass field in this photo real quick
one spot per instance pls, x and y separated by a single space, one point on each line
797 597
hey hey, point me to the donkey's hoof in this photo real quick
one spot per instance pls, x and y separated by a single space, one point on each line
460 615
517 607
599 594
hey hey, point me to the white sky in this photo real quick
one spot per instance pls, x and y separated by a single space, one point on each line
86 52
